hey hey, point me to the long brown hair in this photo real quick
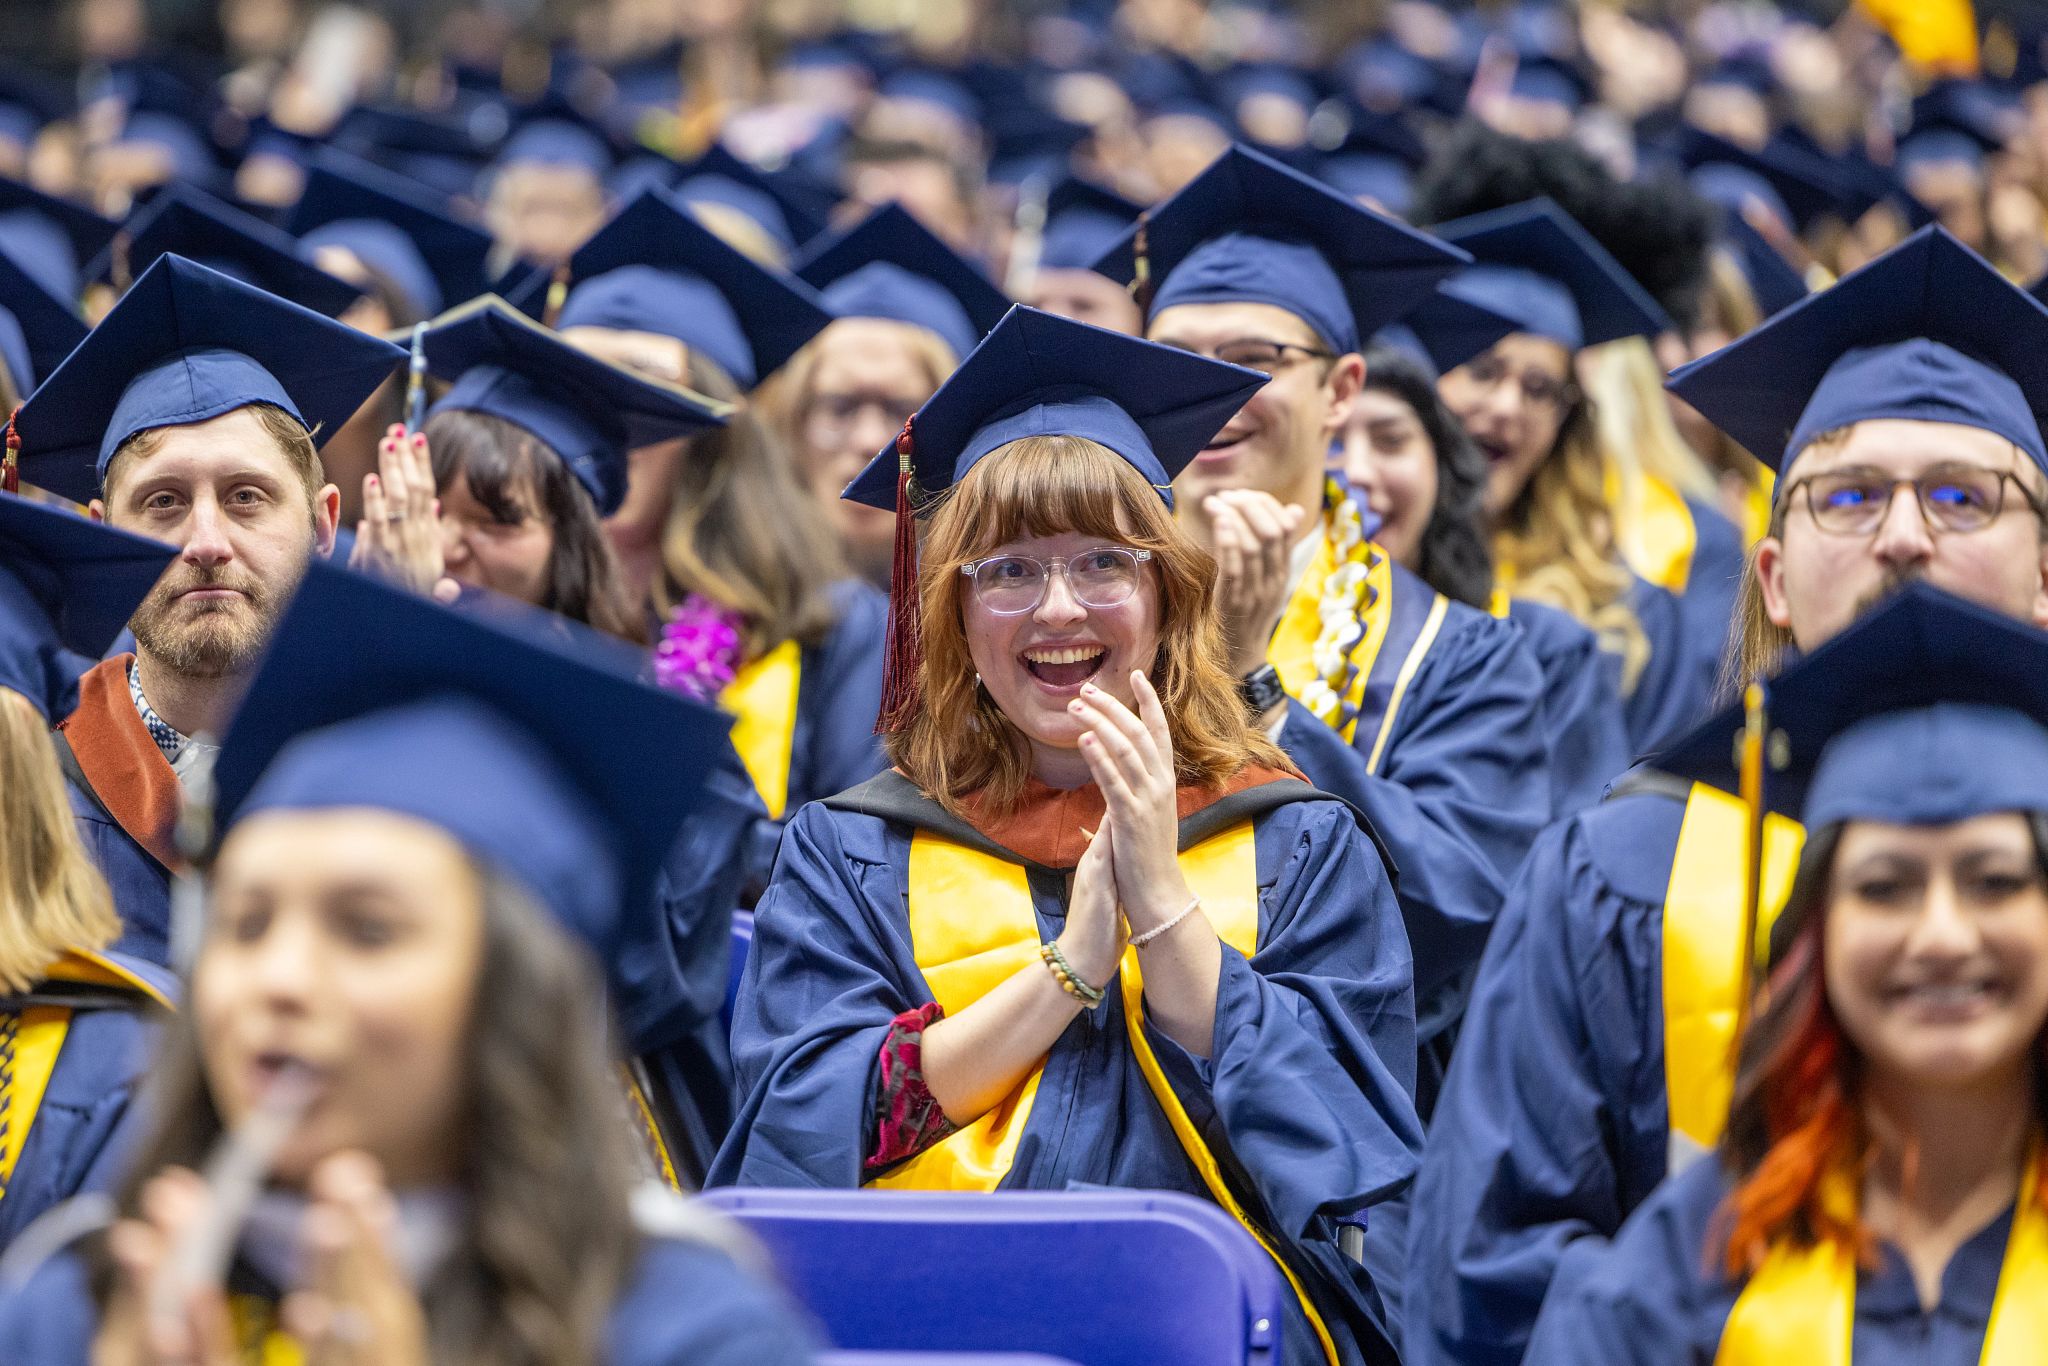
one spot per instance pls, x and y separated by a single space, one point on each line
52 898
743 532
547 1239
512 474
958 741
1557 542
1797 1116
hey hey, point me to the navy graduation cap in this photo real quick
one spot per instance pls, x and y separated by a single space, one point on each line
394 227
1772 280
889 265
587 411
68 585
1537 266
1038 374
199 227
88 233
655 268
38 328
1805 184
186 344
1252 230
370 696
1928 331
1082 221
1928 710
1449 327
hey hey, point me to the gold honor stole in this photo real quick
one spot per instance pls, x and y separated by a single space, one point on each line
1703 956
1653 528
36 1035
1406 616
762 699
253 1321
1800 1306
973 926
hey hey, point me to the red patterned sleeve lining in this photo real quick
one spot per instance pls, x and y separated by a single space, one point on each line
911 1119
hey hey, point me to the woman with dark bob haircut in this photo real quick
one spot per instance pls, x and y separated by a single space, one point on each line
945 989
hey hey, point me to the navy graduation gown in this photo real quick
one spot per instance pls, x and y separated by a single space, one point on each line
839 695
1460 792
686 1305
124 800
1305 1099
1648 1299
1553 1124
76 1139
1676 687
1582 711
1707 605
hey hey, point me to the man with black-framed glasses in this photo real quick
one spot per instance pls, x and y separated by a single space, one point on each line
1598 1052
1424 712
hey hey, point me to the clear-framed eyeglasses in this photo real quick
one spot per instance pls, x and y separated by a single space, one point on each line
1010 585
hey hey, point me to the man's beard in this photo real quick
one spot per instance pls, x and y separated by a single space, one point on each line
212 639
1895 581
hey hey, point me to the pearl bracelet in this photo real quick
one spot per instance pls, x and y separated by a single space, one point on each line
1139 941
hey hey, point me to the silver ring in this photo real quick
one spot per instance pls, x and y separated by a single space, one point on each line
397 516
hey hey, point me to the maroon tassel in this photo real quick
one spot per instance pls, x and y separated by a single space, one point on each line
1141 272
10 463
901 688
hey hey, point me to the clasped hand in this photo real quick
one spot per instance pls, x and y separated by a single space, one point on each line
1129 879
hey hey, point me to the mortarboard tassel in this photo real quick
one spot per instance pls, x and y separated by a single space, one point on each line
558 293
900 689
10 462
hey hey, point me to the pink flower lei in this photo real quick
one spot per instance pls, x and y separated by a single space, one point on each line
699 650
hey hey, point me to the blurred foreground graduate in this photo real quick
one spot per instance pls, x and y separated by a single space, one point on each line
1878 1197
1554 539
1597 1058
191 415
424 859
945 988
76 1019
1425 713
530 447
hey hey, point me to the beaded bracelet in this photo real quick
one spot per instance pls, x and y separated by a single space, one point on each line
1139 941
1070 981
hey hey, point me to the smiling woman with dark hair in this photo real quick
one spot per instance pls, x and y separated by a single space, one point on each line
1878 1196
945 989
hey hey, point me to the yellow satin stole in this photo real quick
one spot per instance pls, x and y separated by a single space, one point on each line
1703 956
1653 528
261 1341
1800 1306
762 699
39 1033
972 926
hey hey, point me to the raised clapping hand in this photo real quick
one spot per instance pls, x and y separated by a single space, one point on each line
1131 756
399 537
1253 534
1094 938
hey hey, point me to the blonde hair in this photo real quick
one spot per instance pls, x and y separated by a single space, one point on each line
51 896
1556 544
1633 418
783 400
958 742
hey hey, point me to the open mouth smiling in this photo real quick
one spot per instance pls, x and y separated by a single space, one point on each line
1064 667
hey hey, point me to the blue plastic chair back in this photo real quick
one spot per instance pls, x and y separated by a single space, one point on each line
1110 1278
941 1359
742 944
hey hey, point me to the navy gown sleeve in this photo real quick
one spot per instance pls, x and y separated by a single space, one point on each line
830 969
690 1305
141 886
1708 602
1581 706
50 1319
1648 1298
1552 1125
1676 687
839 696
1461 792
1312 1064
